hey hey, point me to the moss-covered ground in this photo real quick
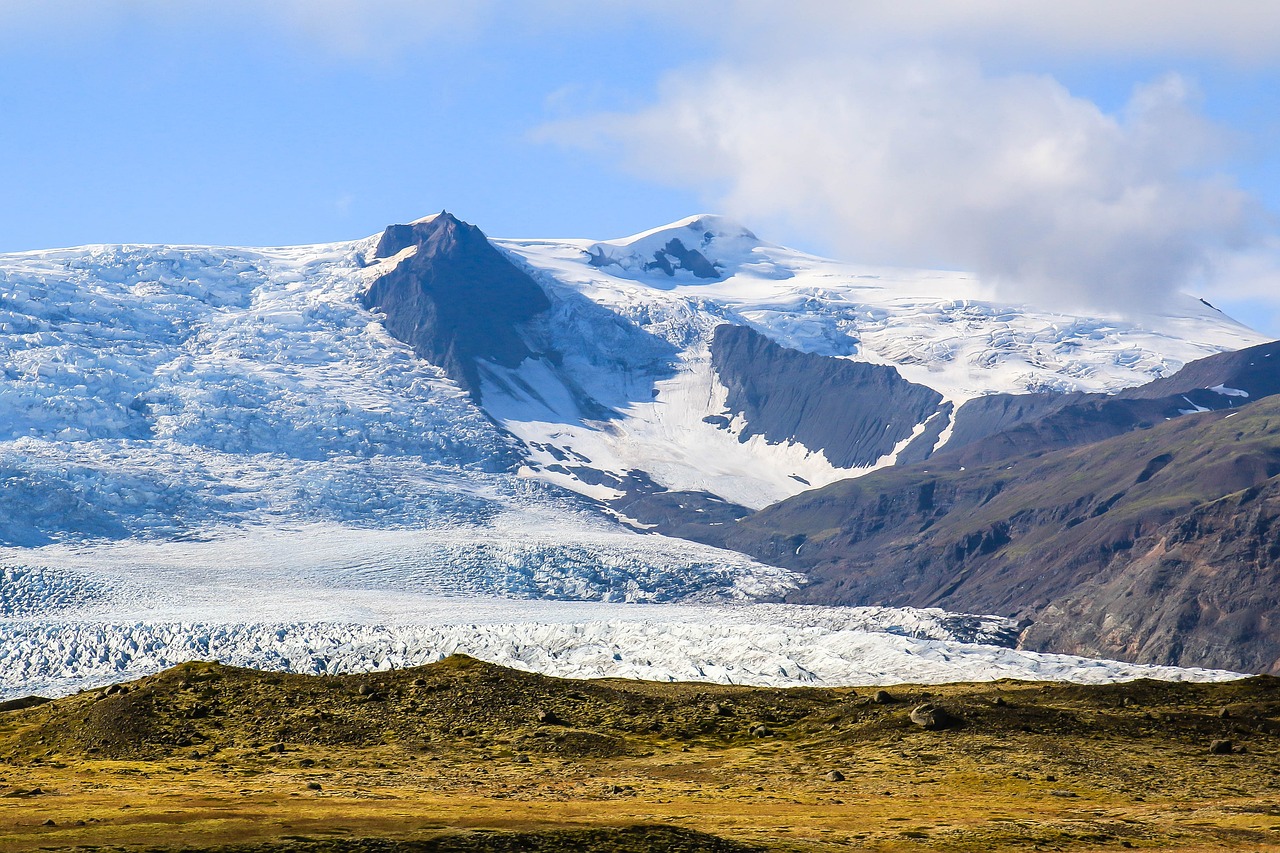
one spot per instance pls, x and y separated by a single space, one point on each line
465 756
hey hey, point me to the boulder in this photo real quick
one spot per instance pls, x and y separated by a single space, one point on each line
930 717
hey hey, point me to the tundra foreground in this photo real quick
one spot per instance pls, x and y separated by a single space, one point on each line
466 756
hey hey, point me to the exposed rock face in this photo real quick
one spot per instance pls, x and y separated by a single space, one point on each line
675 513
671 257
854 412
1159 545
456 298
1208 589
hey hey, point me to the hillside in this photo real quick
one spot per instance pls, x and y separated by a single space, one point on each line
1178 521
466 756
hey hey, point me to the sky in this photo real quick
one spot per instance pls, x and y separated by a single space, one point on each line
1086 155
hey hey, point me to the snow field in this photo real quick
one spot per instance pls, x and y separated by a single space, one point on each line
940 329
778 646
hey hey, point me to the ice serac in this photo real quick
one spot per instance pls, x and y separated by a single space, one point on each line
854 412
455 298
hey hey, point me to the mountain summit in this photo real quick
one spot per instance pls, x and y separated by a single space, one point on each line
454 298
699 247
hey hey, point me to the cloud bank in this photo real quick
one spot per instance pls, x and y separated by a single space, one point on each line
924 160
1244 31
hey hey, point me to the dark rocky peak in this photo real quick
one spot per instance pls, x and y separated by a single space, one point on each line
672 256
675 256
437 235
456 299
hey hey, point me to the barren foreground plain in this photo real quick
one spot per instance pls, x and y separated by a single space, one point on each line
466 756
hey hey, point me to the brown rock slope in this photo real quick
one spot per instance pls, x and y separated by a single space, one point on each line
1159 545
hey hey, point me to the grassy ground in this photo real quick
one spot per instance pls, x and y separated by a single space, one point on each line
464 756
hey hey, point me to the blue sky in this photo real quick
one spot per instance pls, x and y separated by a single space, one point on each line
1108 152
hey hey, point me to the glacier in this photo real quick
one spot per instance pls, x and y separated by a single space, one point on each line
204 448
647 357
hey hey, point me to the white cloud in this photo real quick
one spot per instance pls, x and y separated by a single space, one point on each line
1241 30
923 160
871 124
1247 283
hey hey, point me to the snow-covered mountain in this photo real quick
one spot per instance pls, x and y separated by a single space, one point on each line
644 386
143 385
430 412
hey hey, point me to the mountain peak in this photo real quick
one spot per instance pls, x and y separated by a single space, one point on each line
431 217
699 224
456 298
432 232
705 246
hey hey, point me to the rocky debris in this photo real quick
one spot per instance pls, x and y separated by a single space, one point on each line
1051 737
471 706
883 697
547 718
370 693
113 690
22 793
22 703
930 717
577 743
1221 747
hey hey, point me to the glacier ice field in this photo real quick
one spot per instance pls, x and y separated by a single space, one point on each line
218 453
